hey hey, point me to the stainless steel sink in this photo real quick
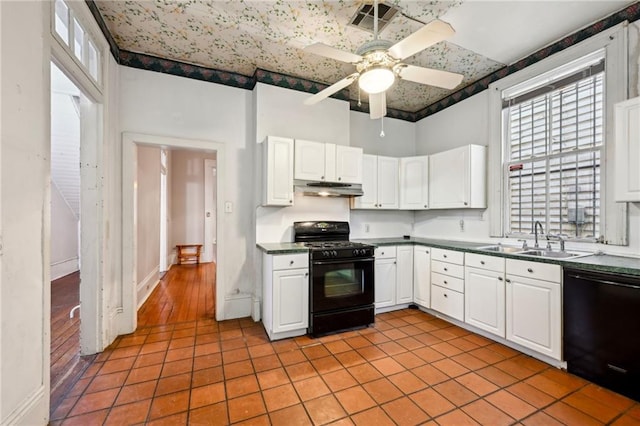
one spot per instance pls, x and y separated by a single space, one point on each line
501 249
553 254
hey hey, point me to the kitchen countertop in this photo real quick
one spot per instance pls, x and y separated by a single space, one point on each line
599 262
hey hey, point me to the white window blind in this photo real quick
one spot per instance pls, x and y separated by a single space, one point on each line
554 141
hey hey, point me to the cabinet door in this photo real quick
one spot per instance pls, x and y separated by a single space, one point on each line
449 179
290 300
348 164
309 160
279 170
369 199
422 276
414 188
533 314
404 279
627 148
388 182
385 282
484 300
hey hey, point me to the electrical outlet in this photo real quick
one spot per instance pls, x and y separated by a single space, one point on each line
366 227
461 225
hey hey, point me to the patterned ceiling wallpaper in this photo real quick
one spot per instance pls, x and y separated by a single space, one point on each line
241 36
268 37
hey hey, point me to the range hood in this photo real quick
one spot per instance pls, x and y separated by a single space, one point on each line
328 189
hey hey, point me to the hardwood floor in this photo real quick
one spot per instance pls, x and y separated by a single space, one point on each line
66 363
185 293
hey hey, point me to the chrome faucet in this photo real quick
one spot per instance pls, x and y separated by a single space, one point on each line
535 232
559 237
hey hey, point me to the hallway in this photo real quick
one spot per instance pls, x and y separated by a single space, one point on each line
410 368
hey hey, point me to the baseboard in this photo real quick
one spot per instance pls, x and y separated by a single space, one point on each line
237 306
255 312
34 410
64 267
146 286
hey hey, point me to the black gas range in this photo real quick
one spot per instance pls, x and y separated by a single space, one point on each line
341 277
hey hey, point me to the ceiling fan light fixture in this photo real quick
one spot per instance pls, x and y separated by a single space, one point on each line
376 79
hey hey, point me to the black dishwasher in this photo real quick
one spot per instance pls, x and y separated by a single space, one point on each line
601 326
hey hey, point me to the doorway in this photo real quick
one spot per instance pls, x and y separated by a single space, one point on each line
131 274
73 119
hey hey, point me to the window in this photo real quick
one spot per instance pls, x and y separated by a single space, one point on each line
553 141
76 39
550 153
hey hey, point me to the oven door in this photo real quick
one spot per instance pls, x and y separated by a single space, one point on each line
341 284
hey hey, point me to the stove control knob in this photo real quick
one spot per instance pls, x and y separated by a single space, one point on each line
335 253
325 253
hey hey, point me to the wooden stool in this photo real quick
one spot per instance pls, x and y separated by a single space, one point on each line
188 252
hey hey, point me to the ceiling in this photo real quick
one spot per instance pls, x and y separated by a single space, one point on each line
241 35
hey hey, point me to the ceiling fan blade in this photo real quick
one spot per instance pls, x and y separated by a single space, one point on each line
377 105
335 87
444 79
333 53
426 36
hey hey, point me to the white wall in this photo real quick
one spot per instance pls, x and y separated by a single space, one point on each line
64 236
25 301
160 104
187 197
148 210
399 139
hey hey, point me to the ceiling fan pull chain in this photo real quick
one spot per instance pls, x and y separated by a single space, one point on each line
382 127
359 103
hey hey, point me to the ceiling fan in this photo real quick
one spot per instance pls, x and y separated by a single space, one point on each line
379 62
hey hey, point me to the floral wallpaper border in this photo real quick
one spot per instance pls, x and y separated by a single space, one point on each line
147 62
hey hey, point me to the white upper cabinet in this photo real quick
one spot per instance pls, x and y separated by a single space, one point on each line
457 178
379 183
414 183
348 164
278 182
309 160
627 148
327 162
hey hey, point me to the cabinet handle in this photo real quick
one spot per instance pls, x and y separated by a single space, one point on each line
444 255
291 262
339 178
445 282
306 274
466 204
382 254
482 262
445 269
395 263
321 177
426 251
499 278
425 206
445 295
508 280
529 270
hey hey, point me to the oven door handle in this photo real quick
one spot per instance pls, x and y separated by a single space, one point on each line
349 259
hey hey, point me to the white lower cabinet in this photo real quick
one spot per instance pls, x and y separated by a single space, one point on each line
422 276
285 304
393 276
533 306
447 282
484 295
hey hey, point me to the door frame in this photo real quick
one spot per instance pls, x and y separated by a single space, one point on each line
209 241
130 141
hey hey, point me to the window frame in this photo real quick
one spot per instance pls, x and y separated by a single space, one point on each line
613 41
526 88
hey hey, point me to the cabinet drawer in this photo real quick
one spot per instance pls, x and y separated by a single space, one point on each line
480 261
290 261
537 270
447 269
385 252
445 281
450 256
448 302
